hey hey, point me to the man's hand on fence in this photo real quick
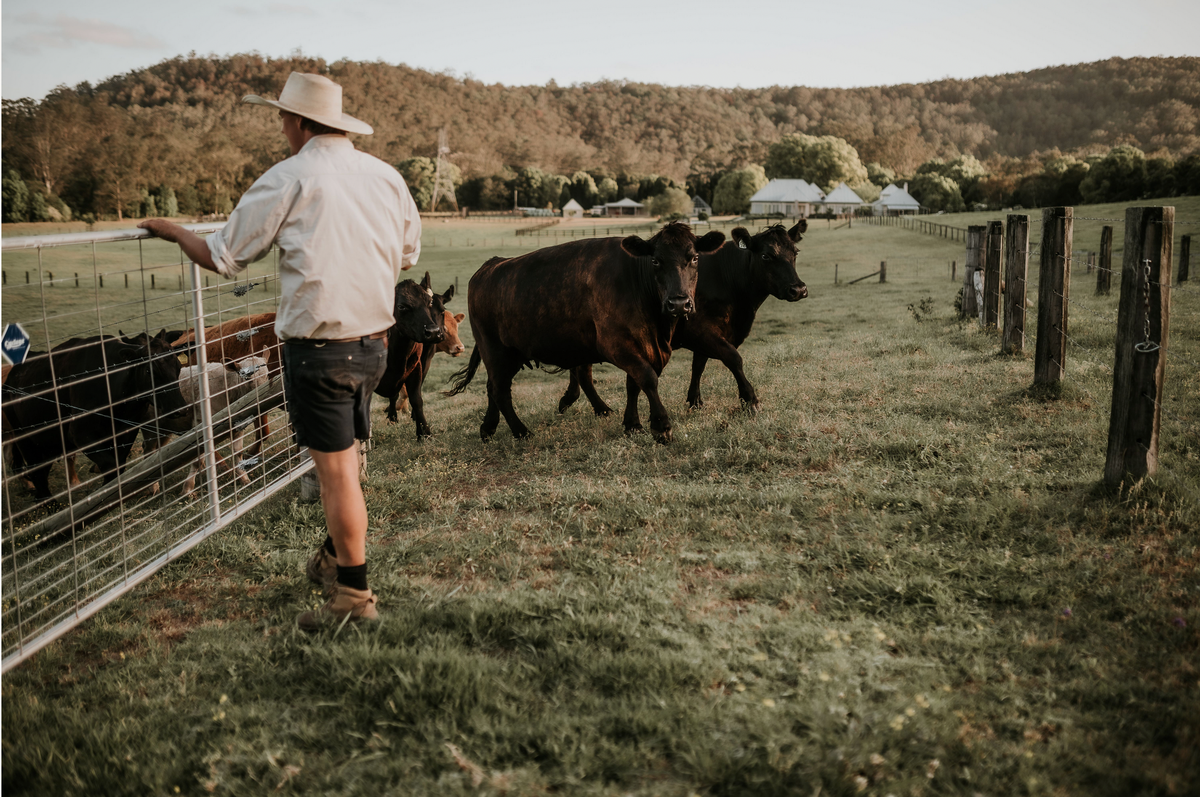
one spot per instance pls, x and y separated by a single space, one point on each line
193 245
161 228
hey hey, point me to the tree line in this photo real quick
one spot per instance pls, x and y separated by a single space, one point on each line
175 136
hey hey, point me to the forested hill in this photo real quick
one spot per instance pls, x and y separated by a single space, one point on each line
184 115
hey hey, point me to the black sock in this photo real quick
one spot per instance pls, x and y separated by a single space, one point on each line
353 577
329 546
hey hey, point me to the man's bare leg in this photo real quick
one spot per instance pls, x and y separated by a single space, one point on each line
344 505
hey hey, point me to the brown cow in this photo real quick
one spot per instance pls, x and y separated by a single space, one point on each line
452 345
600 300
733 283
236 340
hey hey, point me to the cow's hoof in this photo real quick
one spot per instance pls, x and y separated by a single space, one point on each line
393 417
603 411
662 436
424 433
634 429
486 434
696 403
751 407
522 434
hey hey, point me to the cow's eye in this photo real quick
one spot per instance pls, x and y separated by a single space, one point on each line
695 259
654 261
764 257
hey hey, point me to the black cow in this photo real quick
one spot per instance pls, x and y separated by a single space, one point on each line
419 316
102 388
734 281
601 300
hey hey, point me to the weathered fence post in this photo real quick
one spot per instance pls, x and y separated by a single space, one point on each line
1104 269
1058 226
835 276
1142 323
953 270
991 274
975 235
1185 252
883 271
1016 272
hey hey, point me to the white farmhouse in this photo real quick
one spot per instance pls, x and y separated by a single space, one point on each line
895 201
841 200
572 210
789 197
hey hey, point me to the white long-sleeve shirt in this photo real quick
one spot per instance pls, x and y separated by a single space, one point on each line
346 225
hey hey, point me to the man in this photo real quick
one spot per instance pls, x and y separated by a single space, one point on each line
346 225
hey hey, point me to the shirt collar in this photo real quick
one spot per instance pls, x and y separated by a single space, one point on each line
327 141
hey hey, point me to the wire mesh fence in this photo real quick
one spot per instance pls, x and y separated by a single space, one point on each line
148 414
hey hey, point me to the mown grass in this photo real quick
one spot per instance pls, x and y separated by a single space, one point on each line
901 577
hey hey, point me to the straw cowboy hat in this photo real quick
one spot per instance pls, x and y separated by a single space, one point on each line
314 97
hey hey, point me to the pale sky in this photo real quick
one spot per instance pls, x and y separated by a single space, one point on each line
724 43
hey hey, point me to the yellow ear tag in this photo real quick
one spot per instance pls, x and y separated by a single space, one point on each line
183 359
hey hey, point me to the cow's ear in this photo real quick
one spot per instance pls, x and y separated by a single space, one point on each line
458 317
742 236
427 284
448 295
230 365
162 335
636 247
710 242
794 233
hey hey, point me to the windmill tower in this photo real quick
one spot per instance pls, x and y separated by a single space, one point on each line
442 185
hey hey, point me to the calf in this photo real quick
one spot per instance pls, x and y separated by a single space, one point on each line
601 300
418 313
452 345
733 283
227 382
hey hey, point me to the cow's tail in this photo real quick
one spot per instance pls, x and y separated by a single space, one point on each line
463 378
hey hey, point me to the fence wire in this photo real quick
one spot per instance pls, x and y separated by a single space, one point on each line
165 384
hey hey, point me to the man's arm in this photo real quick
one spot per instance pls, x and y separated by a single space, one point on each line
192 245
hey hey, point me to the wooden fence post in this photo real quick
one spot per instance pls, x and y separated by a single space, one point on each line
1058 227
975 233
1185 252
991 274
1104 269
835 270
1016 273
1142 324
883 271
953 270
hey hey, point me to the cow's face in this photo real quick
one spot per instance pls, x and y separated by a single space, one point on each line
452 345
772 259
673 255
419 311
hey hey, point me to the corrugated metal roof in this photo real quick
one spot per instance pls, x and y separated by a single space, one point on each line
893 197
843 195
788 191
623 203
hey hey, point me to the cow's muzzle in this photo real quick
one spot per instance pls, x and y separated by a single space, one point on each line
797 292
434 334
678 305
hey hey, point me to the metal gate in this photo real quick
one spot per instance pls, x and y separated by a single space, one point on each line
155 376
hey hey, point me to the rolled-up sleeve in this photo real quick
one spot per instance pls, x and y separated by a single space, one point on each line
412 231
253 226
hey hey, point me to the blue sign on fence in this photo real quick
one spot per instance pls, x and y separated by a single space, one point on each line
14 345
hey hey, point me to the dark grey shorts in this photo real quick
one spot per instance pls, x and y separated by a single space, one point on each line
328 389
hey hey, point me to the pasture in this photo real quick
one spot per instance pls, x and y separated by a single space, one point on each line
901 577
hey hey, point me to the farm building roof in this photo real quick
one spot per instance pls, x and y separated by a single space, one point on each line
895 197
572 205
843 195
698 203
623 203
780 190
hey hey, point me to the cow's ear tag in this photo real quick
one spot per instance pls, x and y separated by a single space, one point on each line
430 292
183 359
741 244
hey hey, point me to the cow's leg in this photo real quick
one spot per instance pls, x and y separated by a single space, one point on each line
491 418
572 394
72 472
413 385
589 390
633 422
402 404
500 379
724 351
693 398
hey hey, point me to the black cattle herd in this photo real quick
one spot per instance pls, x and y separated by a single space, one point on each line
625 301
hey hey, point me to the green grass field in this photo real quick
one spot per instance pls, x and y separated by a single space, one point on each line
902 577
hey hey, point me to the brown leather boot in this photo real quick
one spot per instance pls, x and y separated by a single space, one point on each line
354 605
322 569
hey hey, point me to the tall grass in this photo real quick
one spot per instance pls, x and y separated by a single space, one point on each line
901 577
